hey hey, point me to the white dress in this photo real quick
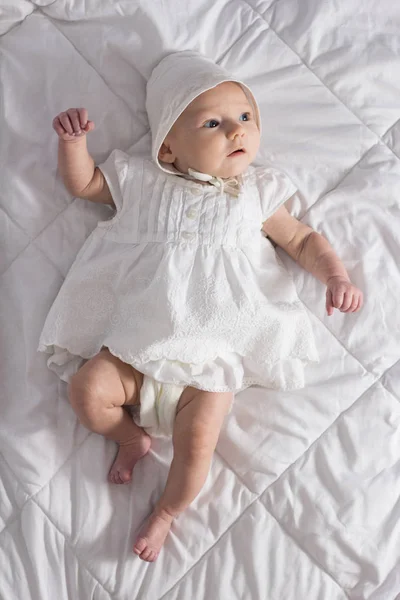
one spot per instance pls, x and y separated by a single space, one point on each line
182 285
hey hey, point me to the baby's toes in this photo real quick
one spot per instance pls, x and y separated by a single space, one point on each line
125 476
139 546
144 551
146 554
114 477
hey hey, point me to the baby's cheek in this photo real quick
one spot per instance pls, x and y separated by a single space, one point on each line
254 144
206 158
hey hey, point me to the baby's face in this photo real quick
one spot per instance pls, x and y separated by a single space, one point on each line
209 132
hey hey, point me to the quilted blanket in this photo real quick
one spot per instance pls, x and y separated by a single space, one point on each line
303 498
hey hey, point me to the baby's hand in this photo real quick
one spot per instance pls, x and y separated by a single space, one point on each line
342 294
72 124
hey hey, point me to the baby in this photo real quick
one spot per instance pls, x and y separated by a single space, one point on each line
179 301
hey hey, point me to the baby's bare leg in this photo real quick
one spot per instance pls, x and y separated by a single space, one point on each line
196 429
98 393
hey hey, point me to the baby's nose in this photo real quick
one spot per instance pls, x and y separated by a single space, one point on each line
236 131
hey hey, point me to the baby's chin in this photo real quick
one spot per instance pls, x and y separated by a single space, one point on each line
235 167
238 167
232 172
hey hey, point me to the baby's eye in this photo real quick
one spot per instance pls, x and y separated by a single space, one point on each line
211 124
246 117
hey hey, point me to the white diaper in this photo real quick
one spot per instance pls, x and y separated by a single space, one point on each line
158 403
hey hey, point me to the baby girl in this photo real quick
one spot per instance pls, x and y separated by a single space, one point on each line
179 301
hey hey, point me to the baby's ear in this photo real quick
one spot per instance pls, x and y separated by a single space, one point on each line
165 153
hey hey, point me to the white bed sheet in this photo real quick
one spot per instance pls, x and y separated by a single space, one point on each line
302 501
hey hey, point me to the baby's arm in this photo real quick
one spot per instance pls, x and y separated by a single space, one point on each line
314 253
80 175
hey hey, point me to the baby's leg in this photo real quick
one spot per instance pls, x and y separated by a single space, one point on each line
197 425
98 393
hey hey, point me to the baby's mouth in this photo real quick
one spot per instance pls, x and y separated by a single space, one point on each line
237 152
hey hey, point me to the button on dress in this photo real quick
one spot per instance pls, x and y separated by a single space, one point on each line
182 285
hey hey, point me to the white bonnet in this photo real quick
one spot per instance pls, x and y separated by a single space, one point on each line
174 83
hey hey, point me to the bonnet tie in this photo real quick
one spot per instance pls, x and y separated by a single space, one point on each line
231 185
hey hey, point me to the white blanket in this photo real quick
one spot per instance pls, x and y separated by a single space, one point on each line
302 501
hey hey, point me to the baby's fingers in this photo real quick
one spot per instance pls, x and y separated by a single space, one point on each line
89 127
347 301
337 297
66 123
58 128
83 117
359 303
329 304
353 304
74 118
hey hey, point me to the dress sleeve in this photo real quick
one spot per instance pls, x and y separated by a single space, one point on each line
115 170
274 188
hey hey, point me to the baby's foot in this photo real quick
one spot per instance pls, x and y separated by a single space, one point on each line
152 535
127 457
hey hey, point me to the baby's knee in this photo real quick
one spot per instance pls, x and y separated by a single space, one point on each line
212 402
200 418
85 391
